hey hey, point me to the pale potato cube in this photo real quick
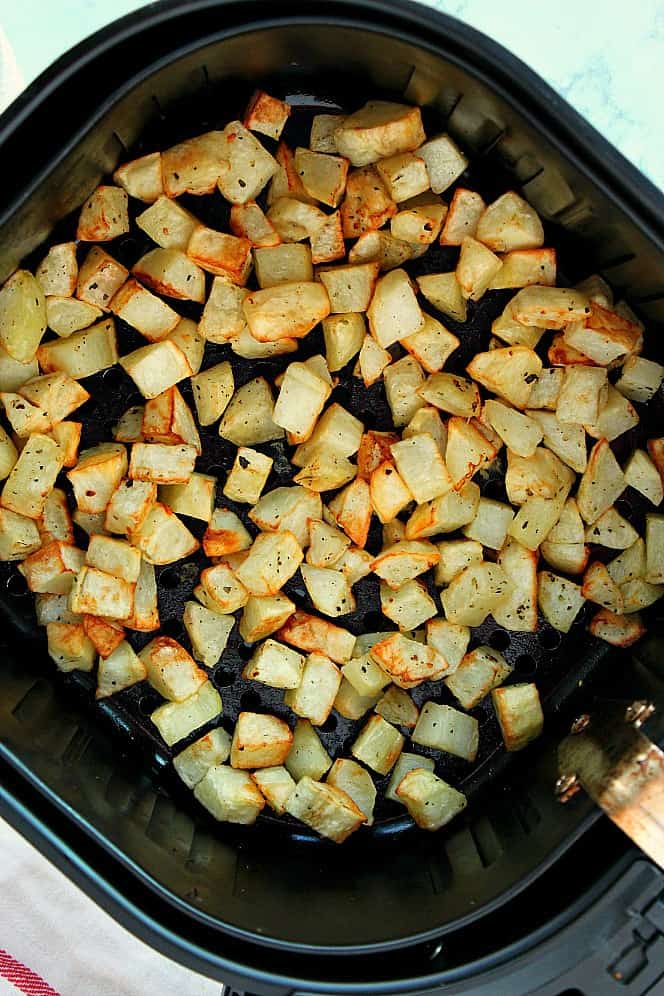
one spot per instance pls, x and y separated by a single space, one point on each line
223 587
640 379
611 530
260 741
195 498
419 222
19 535
282 264
323 176
480 670
171 670
84 353
213 389
57 273
618 630
128 505
510 223
642 475
323 126
430 801
444 514
490 525
366 677
405 175
326 544
266 114
572 558
603 342
145 616
314 635
248 475
581 394
350 288
120 669
99 277
350 704
455 556
287 508
250 165
176 720
195 165
57 394
407 662
171 272
32 477
8 454
476 269
444 160
327 242
13 372
468 450
431 345
351 509
378 745
394 312
465 210
617 415
639 594
475 593
168 224
541 475
519 714
248 221
251 349
378 130
54 608
141 178
518 610
383 248
307 758
403 380
409 606
104 215
276 785
161 537
356 564
447 729
560 600
449 640
208 632
452 393
69 647
406 762
229 795
294 219
248 417
654 573
272 560
508 372
566 439
602 483
276 665
301 399
422 467
157 367
161 463
314 697
326 809
550 307
52 568
68 437
443 291
329 590
114 557
344 335
89 522
336 430
101 594
599 587
397 707
404 560
193 763
521 433
351 778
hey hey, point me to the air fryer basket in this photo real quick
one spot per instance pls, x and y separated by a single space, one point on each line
185 68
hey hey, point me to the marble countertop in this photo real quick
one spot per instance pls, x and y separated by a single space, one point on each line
603 56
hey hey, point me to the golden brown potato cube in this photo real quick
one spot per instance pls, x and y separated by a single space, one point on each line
519 714
97 475
378 745
225 534
286 311
389 493
99 278
141 177
69 647
145 616
356 782
171 670
168 224
167 419
430 801
378 130
222 254
32 477
326 809
171 272
327 242
314 635
195 761
260 741
605 337
105 634
104 215
266 114
250 165
58 271
510 223
58 394
223 587
128 505
82 354
550 307
618 630
52 568
99 594
286 182
323 176
248 221
352 510
229 795
367 205
195 165
407 662
161 537
374 450
156 367
444 160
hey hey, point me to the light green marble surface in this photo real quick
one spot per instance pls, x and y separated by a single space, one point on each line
604 56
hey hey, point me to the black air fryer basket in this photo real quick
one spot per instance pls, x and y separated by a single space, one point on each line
521 892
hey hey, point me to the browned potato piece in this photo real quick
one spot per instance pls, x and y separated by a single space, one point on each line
104 215
266 114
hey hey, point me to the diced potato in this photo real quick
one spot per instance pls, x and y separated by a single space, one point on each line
14 373
168 224
444 160
480 670
443 291
326 544
248 418
605 342
367 204
381 247
301 400
397 707
428 420
405 762
355 782
617 415
431 802
250 165
32 477
91 523
229 795
344 335
101 594
128 505
640 379
161 463
84 353
350 704
171 670
323 126
52 568
276 665
266 114
476 269
351 509
288 508
54 608
107 636
223 588
404 175
326 809
193 763
170 272
560 600
329 590
195 165
394 312
518 610
314 697
168 420
602 483
378 745
272 560
510 223
618 630
225 534
508 372
68 436
404 561
581 394
409 606
323 176
536 518
468 450
114 557
314 635
104 215
327 242
248 221
465 210
519 714
176 720
294 219
378 130
524 267
286 181
389 493
208 632
285 311
431 345
8 454
260 741
69 647
449 640
349 288
550 307
642 475
656 454
355 563
447 729
121 669
419 221
599 587
337 431
262 616
639 594
145 615
58 394
408 662
99 278
141 178
161 537
444 514
366 677
308 758
19 535
422 467
222 254
453 394
566 439
519 432
282 264
248 475
276 785
455 556
490 525
57 273
541 475
403 380
611 530
629 565
654 573
475 593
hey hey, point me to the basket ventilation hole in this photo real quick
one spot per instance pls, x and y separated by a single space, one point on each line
330 724
170 579
16 586
173 628
525 665
223 677
250 701
549 639
500 640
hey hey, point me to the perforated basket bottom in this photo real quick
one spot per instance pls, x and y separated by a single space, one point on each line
556 663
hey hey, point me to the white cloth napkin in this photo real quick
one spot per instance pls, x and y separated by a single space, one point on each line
50 928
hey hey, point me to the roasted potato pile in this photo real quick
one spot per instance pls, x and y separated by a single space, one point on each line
320 236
